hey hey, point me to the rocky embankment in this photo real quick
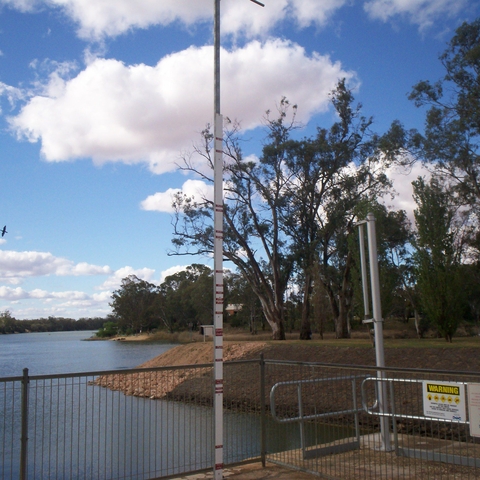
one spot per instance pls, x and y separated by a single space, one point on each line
166 383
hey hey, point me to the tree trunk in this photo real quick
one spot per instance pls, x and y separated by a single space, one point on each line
341 323
306 327
274 317
417 323
342 328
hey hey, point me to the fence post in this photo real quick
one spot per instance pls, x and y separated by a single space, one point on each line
24 437
263 413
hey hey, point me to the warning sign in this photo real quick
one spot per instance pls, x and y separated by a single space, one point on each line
474 408
444 400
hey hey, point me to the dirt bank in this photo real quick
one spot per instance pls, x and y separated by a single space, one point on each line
196 382
447 358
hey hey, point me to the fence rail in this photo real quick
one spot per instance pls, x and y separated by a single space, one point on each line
158 422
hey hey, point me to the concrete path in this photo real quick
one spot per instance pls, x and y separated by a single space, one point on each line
254 471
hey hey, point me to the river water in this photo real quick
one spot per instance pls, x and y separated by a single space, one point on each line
151 438
65 352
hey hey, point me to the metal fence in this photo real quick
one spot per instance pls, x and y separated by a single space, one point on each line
158 422
333 412
133 424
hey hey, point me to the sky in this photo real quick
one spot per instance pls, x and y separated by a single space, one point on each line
100 99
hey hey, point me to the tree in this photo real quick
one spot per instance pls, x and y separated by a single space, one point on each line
254 198
109 329
330 176
437 257
393 232
291 207
7 322
239 292
133 305
185 299
452 128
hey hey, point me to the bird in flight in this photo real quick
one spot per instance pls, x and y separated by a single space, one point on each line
4 230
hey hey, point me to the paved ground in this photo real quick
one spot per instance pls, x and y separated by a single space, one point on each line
254 471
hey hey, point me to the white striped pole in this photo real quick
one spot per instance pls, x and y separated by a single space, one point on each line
218 251
218 257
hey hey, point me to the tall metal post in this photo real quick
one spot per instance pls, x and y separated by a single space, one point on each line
218 251
218 255
378 327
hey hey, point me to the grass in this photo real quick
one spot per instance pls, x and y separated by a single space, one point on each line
360 339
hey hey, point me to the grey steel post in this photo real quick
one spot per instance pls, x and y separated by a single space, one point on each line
363 264
24 427
378 327
263 411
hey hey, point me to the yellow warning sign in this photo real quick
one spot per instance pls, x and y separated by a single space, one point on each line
442 388
444 400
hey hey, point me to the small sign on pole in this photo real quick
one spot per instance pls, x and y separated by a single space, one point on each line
474 408
444 400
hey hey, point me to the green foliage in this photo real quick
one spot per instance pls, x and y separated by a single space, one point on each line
452 128
133 305
109 329
437 258
185 300
8 324
393 241
239 292
292 209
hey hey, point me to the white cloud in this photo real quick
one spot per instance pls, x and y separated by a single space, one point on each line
162 201
420 12
41 303
138 113
402 183
15 266
308 12
96 19
172 271
14 294
114 281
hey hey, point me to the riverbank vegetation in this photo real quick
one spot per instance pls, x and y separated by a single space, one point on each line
9 324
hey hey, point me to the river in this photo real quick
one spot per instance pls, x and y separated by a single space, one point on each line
65 352
79 431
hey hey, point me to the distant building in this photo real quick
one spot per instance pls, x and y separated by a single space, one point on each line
233 308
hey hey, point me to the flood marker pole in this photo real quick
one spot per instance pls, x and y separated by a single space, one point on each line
218 251
218 256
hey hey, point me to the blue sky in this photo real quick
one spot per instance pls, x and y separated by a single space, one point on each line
100 98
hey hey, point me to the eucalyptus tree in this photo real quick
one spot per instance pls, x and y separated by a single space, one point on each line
330 175
293 208
185 299
133 305
451 140
253 204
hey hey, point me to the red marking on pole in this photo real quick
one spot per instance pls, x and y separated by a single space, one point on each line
219 347
219 332
219 466
219 382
